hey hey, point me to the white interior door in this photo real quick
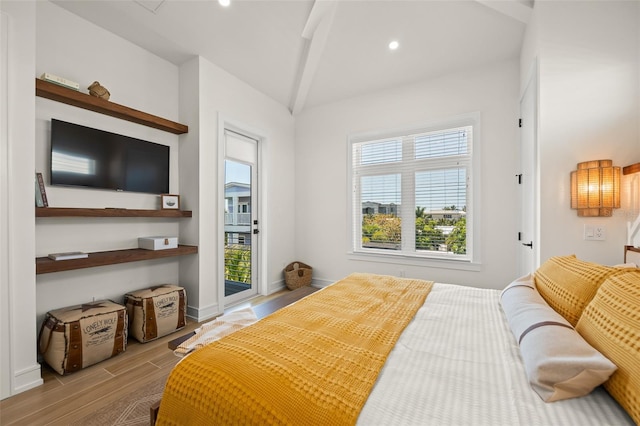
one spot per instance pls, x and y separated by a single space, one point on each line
241 223
527 240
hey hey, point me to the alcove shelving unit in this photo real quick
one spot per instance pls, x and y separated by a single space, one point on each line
45 265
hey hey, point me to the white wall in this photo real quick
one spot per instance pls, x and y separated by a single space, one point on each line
5 305
189 104
71 47
589 79
589 102
20 371
322 238
210 94
49 39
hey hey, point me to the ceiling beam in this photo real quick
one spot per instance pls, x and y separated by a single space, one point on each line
316 32
151 5
516 9
318 11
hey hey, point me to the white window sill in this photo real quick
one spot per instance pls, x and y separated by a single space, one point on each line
400 259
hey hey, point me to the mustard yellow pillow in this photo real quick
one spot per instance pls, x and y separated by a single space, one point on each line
611 324
568 284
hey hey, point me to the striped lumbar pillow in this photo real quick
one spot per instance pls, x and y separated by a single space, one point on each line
559 363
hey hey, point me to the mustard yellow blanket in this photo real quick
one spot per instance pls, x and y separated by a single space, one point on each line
311 363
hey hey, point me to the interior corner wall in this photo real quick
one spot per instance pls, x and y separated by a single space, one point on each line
20 369
322 183
221 94
45 38
190 188
5 305
589 109
74 48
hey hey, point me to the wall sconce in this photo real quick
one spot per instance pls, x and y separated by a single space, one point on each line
595 188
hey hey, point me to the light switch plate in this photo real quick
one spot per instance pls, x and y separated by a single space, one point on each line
595 233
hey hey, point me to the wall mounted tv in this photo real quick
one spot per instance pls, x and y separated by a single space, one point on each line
86 157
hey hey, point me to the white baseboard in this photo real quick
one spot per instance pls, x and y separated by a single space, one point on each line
202 314
27 378
321 283
276 286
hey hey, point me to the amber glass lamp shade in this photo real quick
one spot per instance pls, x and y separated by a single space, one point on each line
595 188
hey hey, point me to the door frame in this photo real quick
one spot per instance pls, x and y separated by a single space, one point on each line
530 123
260 269
7 382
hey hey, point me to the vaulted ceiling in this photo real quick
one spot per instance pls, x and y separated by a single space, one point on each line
305 53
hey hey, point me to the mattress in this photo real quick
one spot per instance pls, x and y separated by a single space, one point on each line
458 363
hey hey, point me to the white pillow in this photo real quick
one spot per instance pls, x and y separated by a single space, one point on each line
627 265
559 363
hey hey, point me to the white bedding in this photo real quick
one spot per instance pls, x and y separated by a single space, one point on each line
457 363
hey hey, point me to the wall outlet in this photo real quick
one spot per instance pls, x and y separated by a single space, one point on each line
599 233
595 233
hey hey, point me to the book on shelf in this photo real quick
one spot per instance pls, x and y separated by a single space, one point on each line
39 202
41 193
52 78
68 255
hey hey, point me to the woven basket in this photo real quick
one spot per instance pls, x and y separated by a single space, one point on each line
297 274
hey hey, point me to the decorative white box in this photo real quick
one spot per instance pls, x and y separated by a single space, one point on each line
157 243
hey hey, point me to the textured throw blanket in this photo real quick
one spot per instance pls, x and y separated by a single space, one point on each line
311 363
217 329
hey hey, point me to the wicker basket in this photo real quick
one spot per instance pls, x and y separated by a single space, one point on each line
297 274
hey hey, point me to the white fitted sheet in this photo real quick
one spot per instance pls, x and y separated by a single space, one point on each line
457 363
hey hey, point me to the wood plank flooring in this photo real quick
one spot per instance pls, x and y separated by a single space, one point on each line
64 399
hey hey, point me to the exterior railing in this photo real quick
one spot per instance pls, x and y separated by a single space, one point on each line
237 263
237 218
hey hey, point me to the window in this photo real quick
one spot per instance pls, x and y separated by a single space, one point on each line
412 192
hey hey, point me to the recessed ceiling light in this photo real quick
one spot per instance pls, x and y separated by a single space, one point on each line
394 45
224 3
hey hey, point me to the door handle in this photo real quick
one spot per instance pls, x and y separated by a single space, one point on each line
530 245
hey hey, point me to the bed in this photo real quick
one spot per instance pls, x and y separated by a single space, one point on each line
380 350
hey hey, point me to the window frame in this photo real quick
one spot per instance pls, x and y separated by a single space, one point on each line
470 261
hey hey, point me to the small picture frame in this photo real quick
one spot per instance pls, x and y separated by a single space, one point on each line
169 202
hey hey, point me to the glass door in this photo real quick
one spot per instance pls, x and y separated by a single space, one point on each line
240 218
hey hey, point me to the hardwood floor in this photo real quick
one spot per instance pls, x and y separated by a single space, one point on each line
64 399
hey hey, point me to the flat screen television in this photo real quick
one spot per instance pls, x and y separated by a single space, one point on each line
87 157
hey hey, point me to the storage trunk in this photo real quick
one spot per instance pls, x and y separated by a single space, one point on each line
156 311
78 336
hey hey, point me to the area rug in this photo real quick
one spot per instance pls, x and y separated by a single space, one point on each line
130 410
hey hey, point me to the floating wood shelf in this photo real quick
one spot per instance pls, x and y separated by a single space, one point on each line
633 168
68 96
82 212
44 265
